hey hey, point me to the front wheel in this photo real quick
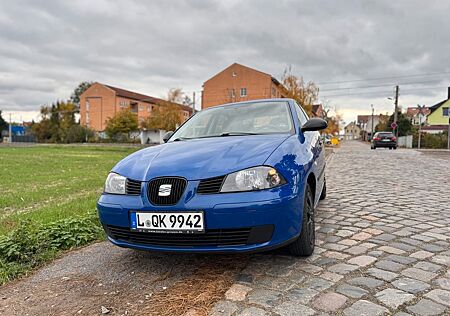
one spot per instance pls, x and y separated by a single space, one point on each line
304 245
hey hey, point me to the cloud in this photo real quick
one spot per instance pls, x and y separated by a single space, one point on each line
48 47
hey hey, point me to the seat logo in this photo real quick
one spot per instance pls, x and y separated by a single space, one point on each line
164 190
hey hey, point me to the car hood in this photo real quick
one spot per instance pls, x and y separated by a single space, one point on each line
199 158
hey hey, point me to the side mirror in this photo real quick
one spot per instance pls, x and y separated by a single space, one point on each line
314 124
167 136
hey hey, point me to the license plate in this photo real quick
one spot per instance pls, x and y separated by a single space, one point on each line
386 140
168 222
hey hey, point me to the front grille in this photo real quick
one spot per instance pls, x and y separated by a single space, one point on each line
212 237
211 185
176 191
133 187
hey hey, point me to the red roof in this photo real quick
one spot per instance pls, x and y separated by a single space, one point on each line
143 98
317 109
363 119
413 111
435 127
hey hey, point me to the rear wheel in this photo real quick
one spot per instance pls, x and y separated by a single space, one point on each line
395 147
323 195
304 245
373 147
390 148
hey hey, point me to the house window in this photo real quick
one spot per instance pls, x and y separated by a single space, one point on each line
87 119
232 93
445 111
243 92
149 108
141 108
274 91
88 106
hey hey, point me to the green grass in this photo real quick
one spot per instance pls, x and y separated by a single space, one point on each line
48 183
47 202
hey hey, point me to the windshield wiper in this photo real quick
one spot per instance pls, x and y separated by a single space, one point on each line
220 135
237 134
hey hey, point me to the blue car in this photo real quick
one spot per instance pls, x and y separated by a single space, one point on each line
242 177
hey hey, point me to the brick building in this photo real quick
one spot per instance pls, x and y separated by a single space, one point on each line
101 102
240 83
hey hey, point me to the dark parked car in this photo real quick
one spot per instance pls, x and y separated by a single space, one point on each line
384 139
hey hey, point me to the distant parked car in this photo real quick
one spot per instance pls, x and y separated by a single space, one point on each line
234 178
327 140
384 139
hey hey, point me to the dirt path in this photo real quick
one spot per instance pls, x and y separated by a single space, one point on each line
125 281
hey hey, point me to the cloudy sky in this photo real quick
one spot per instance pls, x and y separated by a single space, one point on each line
48 47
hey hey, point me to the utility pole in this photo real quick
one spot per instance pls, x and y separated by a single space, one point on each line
421 108
10 129
371 135
193 103
395 111
448 141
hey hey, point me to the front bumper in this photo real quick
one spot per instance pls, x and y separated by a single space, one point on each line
232 225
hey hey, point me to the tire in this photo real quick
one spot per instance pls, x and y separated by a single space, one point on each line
390 148
395 147
304 245
323 195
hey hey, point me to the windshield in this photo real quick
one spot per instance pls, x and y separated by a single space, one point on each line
240 119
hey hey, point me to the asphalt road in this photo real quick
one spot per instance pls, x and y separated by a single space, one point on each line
383 247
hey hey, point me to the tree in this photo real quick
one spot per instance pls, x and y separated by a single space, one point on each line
305 93
175 95
383 124
121 124
3 124
166 116
333 127
82 86
403 122
55 122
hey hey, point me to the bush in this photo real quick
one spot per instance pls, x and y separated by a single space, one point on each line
29 245
431 141
78 134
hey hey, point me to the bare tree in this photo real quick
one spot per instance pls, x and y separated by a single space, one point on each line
305 93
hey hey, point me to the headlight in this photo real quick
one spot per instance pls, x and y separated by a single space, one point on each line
115 184
256 178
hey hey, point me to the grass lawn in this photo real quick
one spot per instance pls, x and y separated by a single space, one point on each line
48 183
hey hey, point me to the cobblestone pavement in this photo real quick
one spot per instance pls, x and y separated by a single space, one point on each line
383 247
383 244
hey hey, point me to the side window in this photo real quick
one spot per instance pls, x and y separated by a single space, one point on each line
300 114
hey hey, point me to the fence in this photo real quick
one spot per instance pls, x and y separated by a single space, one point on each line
405 141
